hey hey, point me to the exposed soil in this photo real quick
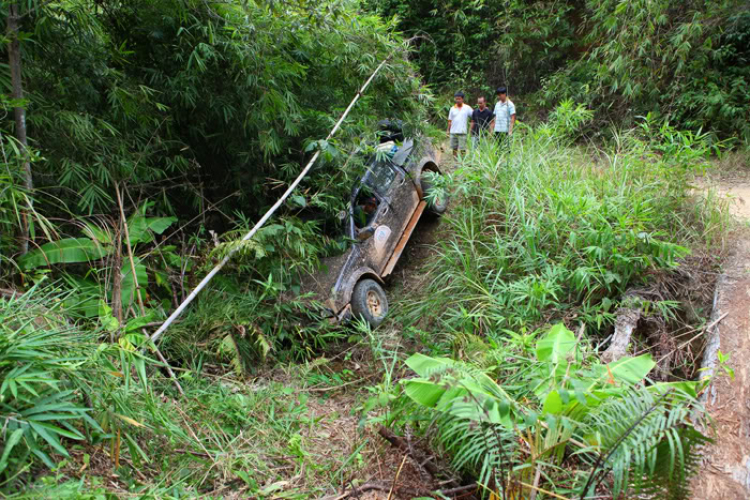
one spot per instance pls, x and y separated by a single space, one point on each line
737 197
725 472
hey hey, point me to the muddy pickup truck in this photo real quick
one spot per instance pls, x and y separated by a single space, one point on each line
386 204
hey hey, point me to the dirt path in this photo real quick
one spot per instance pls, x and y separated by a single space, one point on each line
725 471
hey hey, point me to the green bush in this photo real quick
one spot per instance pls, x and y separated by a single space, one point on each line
190 104
555 411
686 62
545 230
62 388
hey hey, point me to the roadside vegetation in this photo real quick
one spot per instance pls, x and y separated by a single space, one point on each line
158 131
685 61
498 371
543 245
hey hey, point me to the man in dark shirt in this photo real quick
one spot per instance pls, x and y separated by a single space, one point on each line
480 120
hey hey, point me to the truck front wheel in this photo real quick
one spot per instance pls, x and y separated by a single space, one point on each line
369 302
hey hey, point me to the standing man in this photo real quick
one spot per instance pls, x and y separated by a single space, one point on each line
480 120
505 116
458 123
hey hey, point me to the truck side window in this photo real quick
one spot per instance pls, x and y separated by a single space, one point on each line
365 209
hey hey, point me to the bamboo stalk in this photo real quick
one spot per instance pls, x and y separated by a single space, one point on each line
138 291
15 65
130 250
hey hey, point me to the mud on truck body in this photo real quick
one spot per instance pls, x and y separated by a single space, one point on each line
396 189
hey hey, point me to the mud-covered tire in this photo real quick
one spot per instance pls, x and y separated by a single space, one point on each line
439 206
369 302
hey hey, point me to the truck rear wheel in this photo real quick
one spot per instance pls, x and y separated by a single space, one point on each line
369 302
437 205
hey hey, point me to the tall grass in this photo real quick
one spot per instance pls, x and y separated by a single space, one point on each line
62 388
544 230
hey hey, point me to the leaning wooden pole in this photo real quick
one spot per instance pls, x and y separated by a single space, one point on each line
268 214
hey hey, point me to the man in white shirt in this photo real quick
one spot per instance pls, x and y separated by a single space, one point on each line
505 116
458 123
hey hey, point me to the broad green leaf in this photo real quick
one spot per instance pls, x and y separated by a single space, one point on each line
552 404
687 388
108 321
160 224
425 366
628 370
136 324
555 346
632 370
66 251
137 229
298 200
424 392
127 285
141 227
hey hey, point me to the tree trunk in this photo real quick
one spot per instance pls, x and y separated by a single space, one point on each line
625 324
14 60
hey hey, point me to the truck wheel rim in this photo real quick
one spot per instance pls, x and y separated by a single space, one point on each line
373 304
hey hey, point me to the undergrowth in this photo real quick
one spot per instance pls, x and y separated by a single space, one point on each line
542 232
546 230
85 418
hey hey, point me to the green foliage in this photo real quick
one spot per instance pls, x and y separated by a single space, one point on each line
65 251
242 326
545 232
60 386
685 61
565 401
233 89
486 43
650 443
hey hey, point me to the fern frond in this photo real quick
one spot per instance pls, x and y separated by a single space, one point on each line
649 443
481 448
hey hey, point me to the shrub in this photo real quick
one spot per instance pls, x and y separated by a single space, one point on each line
60 385
545 230
560 415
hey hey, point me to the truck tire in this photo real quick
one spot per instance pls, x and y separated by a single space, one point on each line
369 302
438 206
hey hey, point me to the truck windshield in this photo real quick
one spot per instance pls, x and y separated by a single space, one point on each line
379 177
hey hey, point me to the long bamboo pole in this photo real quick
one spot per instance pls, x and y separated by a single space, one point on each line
268 214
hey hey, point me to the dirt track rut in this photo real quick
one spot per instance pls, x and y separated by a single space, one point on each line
725 473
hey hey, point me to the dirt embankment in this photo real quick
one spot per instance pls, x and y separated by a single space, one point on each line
725 472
